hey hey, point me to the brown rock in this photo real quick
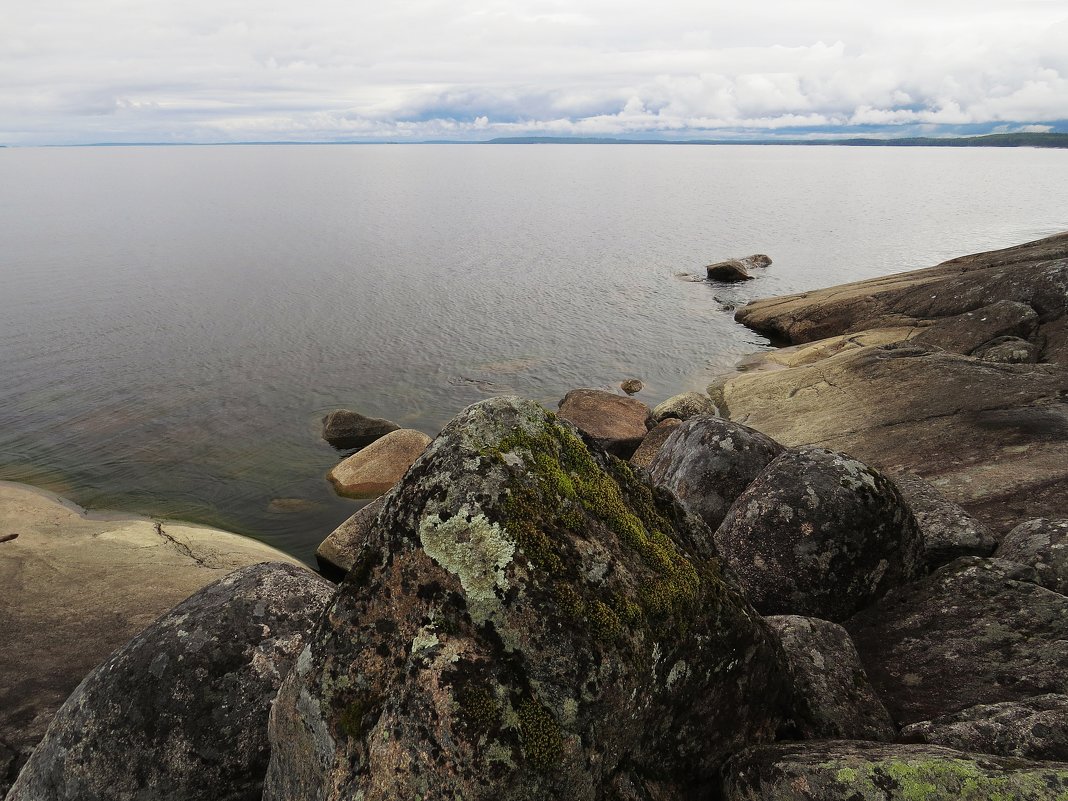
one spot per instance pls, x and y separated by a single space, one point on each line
643 457
338 553
380 465
612 422
631 386
965 332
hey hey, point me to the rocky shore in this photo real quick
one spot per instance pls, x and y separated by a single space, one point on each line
839 575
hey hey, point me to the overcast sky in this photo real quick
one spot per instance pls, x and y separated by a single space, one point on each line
77 71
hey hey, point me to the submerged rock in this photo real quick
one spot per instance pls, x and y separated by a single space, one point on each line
378 467
612 422
650 446
528 621
708 462
948 531
835 699
818 533
684 406
180 712
346 429
858 771
1043 545
337 553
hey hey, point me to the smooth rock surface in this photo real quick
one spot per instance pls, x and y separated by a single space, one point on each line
835 698
532 622
1043 545
77 585
378 467
858 771
612 422
963 333
708 462
948 531
1035 728
650 446
684 406
338 553
977 631
180 712
819 534
344 429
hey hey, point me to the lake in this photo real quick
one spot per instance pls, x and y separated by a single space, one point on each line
174 321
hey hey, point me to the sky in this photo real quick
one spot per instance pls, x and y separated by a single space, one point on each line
77 72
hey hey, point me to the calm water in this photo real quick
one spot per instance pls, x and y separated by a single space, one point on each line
175 321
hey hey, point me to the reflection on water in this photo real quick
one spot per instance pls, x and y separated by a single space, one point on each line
175 321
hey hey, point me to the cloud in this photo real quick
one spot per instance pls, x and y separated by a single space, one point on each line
234 70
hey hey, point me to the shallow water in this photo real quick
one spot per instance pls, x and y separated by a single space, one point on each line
174 321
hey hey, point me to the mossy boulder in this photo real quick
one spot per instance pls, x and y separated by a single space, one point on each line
820 534
860 771
527 620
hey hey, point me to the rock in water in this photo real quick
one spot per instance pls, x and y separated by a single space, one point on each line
345 429
684 406
612 422
337 553
529 621
379 466
708 462
631 385
1043 545
820 534
180 712
736 269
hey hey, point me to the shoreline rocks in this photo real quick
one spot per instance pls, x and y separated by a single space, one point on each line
345 429
733 270
377 468
612 422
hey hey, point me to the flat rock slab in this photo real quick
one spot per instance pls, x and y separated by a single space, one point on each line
838 770
978 631
78 585
378 467
612 422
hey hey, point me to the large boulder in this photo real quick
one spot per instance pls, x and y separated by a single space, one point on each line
834 698
1035 728
344 429
1043 545
684 406
859 771
977 631
820 534
337 553
180 712
529 621
647 451
610 421
378 467
708 462
948 531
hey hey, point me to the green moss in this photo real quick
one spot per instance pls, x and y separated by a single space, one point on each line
478 708
543 743
937 779
354 718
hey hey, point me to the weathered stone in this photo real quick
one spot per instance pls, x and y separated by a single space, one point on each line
835 699
631 386
684 406
180 712
650 446
730 271
337 553
1035 728
818 533
1043 545
859 771
612 422
978 631
529 621
963 333
346 429
1008 350
378 467
77 586
948 531
708 462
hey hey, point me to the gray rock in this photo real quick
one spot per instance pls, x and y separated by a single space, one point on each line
1043 545
344 429
1008 350
338 553
650 446
708 462
978 631
835 699
963 333
736 269
531 621
612 422
1035 728
684 406
858 771
948 531
180 712
820 534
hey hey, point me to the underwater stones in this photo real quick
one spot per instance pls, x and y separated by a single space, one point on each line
820 534
684 406
977 631
180 712
375 469
1043 545
1035 728
643 457
528 620
835 699
948 531
708 462
859 771
346 429
338 553
612 422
